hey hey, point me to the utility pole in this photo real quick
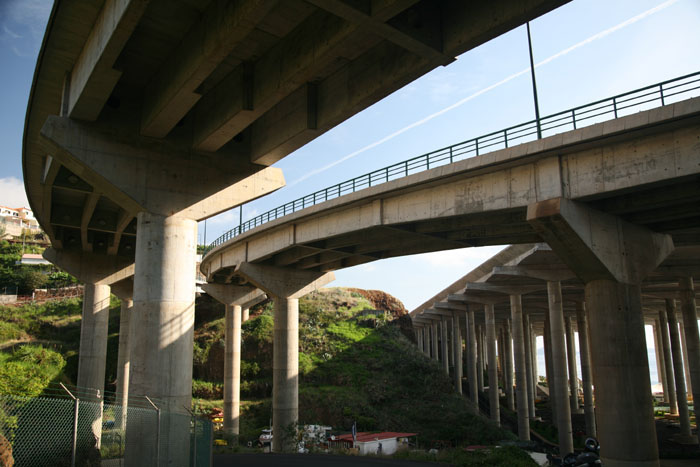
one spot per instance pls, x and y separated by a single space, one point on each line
534 83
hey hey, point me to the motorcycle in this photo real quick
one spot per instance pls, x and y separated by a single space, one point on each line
590 457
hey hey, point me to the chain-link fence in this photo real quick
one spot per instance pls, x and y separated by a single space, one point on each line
82 429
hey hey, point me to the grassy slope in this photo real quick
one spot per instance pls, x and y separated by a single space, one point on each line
55 327
355 365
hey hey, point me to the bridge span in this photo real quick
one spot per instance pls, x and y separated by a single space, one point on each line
147 116
617 202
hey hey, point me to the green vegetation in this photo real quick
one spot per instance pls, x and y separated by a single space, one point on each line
507 456
36 335
28 370
355 366
28 278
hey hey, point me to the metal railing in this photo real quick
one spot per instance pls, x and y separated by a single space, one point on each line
620 105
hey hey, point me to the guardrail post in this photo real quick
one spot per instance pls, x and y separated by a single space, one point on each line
573 117
661 92
387 174
505 137
450 154
476 142
615 107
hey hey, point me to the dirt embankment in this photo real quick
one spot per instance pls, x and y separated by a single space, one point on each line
382 301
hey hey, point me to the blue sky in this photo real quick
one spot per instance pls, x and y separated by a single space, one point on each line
586 50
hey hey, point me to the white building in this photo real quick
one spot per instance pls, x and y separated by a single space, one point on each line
369 443
16 219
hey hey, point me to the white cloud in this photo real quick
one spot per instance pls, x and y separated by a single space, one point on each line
12 193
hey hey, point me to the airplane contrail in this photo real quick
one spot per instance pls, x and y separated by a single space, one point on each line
463 101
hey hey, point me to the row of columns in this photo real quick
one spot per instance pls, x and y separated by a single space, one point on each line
562 373
611 257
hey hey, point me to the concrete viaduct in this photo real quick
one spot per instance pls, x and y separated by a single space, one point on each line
147 116
617 204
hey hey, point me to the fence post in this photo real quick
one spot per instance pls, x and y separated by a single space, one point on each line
157 429
194 429
75 424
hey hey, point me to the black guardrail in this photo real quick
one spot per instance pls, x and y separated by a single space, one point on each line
571 119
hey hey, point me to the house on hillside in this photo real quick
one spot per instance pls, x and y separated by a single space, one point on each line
16 219
385 443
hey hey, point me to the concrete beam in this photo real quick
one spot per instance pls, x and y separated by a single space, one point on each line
173 91
90 267
596 245
93 77
373 23
311 47
539 273
232 294
503 289
162 178
472 298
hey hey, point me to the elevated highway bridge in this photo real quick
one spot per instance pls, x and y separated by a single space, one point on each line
147 116
618 204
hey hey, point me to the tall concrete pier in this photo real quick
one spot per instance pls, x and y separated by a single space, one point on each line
612 267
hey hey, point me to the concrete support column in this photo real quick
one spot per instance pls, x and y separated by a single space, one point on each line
285 286
660 363
668 362
434 340
285 377
527 339
480 358
425 330
548 368
502 357
471 361
457 349
92 356
571 360
245 315
692 336
681 395
516 313
533 355
493 365
449 323
93 337
123 359
162 334
612 257
232 370
444 348
508 348
619 357
586 374
559 367
686 365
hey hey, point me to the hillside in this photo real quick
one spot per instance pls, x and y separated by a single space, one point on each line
356 364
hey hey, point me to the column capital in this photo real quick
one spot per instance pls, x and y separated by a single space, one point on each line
284 282
597 245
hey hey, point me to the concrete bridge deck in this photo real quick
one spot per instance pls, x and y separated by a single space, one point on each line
643 168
